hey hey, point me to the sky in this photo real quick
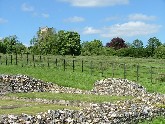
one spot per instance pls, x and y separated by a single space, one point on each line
92 19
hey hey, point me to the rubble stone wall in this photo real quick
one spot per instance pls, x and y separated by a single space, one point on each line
144 106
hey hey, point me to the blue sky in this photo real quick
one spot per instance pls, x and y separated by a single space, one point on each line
92 19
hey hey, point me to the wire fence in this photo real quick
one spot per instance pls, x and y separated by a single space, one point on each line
135 72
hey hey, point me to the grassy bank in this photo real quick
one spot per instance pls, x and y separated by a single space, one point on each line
71 97
78 79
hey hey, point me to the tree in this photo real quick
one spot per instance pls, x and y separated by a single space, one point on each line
160 52
137 43
117 43
44 42
68 43
12 45
153 43
92 48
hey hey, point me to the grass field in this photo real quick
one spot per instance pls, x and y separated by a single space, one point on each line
148 72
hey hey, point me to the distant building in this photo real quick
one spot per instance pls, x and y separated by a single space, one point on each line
44 29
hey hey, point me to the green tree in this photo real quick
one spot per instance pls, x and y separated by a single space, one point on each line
94 47
153 43
137 43
44 42
160 52
68 43
12 45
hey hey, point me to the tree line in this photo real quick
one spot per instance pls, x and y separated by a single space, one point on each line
69 43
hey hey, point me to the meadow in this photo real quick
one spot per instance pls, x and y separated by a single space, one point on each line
82 72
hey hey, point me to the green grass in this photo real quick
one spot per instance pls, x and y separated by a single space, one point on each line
157 120
71 97
60 77
19 107
82 80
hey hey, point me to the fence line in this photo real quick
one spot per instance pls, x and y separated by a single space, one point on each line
104 68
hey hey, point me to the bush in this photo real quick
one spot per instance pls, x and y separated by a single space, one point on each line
160 52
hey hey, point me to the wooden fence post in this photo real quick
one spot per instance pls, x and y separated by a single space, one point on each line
16 59
48 62
73 65
101 67
64 64
33 57
91 66
82 66
124 71
40 57
113 73
11 59
151 71
56 62
137 72
6 59
0 59
27 58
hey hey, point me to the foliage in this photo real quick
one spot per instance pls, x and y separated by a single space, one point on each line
153 43
160 52
137 43
11 44
92 48
108 51
68 43
50 42
117 43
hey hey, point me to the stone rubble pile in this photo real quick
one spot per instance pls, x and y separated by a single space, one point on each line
22 83
110 86
144 106
119 87
127 112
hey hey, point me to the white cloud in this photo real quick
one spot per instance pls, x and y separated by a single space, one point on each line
75 19
91 30
129 29
2 20
95 3
26 7
141 17
45 15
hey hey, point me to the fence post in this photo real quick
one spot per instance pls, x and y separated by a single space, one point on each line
64 64
56 62
82 66
6 59
91 66
73 65
48 61
137 72
27 58
0 59
101 67
113 73
40 57
11 59
151 73
16 59
33 57
124 71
